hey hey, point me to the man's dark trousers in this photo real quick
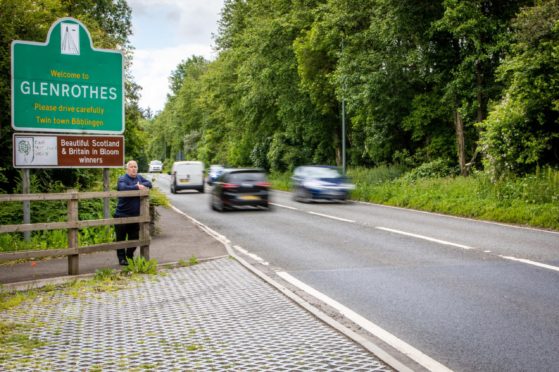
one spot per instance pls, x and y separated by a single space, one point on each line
132 230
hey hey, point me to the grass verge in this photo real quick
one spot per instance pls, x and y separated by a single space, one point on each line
531 200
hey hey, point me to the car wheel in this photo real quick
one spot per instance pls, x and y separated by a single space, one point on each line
212 205
220 207
305 195
298 195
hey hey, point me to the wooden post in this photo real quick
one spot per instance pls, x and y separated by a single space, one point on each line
144 226
106 187
26 203
73 259
106 205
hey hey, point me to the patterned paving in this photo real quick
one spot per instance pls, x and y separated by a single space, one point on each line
212 316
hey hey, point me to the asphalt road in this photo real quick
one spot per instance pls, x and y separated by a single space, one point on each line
471 295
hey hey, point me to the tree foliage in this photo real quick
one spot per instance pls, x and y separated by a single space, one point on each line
423 81
523 128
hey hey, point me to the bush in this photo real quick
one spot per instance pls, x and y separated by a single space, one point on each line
435 169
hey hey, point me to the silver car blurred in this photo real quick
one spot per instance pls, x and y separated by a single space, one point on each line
320 182
155 166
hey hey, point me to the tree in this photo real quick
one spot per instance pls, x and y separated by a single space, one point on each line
479 31
522 130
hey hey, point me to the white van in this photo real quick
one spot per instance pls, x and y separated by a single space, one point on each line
187 175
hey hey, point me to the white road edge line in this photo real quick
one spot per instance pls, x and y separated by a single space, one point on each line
374 329
332 217
252 255
529 262
424 237
220 238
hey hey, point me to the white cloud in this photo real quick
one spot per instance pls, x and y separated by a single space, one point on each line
152 67
167 32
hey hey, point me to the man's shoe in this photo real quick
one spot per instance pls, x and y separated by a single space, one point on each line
123 262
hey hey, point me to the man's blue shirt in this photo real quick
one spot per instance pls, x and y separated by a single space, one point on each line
128 207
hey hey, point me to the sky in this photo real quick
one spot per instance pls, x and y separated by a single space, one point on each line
166 32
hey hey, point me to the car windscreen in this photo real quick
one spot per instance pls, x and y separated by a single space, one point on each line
155 162
319 172
245 177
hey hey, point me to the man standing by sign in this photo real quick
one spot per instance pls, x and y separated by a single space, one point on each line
129 207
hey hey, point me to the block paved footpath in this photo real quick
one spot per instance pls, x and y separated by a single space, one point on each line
216 315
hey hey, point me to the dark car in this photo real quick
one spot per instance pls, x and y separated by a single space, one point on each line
320 182
213 174
236 188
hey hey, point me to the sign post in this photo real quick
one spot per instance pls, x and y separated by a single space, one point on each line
66 85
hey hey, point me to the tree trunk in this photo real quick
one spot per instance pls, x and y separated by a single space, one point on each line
460 141
481 101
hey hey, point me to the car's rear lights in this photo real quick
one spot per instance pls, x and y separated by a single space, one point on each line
230 186
263 184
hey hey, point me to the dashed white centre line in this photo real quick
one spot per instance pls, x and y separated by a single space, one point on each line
285 206
315 213
530 262
424 238
332 217
389 338
434 240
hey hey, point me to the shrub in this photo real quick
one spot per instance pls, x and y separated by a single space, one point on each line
435 169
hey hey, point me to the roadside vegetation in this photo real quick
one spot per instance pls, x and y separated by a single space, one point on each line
531 200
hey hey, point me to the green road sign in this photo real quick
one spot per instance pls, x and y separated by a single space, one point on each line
66 85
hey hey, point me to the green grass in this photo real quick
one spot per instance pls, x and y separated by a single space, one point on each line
139 265
531 200
281 181
193 260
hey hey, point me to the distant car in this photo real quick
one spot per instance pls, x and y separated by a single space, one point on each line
320 182
236 188
155 166
187 175
213 174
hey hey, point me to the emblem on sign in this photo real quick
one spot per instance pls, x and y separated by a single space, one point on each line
25 149
70 38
